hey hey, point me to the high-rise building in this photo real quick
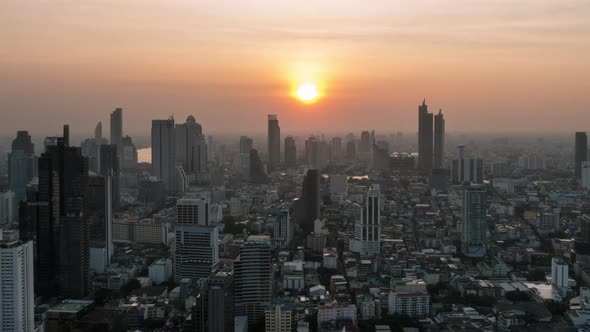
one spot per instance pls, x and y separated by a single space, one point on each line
197 252
278 318
109 166
410 300
439 140
243 162
191 146
17 298
425 138
467 171
163 150
581 152
220 302
336 148
367 230
559 272
253 278
586 175
98 133
290 152
282 230
351 150
8 207
62 265
116 126
313 153
311 200
474 220
365 143
257 172
274 142
22 164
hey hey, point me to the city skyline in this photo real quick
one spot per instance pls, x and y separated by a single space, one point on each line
244 60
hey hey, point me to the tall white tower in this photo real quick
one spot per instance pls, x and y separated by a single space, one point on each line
367 229
17 300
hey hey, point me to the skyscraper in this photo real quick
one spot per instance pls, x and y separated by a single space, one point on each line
313 153
62 252
290 152
98 133
425 139
581 152
109 166
220 302
163 150
474 220
191 146
253 278
116 126
17 299
243 163
282 230
336 148
197 252
257 173
22 164
8 207
367 231
311 200
439 140
351 150
274 142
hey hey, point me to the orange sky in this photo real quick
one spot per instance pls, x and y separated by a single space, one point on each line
491 65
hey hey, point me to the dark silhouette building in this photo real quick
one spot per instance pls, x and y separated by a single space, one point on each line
21 164
439 140
61 230
220 302
117 126
425 139
257 173
290 152
311 199
351 150
274 142
581 152
109 166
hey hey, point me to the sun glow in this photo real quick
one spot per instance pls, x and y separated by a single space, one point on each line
307 92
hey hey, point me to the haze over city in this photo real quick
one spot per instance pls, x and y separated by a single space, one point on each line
497 65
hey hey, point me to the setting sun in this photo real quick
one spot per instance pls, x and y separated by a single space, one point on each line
307 92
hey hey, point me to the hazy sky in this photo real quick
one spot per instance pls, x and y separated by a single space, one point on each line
490 65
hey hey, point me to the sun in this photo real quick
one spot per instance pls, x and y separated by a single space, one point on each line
307 93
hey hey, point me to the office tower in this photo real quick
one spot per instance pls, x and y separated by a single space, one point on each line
559 272
66 136
278 318
8 207
586 174
283 229
311 200
351 150
99 212
109 166
117 126
336 148
62 250
197 252
98 133
313 153
467 171
17 298
128 155
274 142
257 173
290 152
22 164
338 187
425 139
367 230
191 147
365 143
163 149
581 152
253 278
474 220
220 302
439 140
243 164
